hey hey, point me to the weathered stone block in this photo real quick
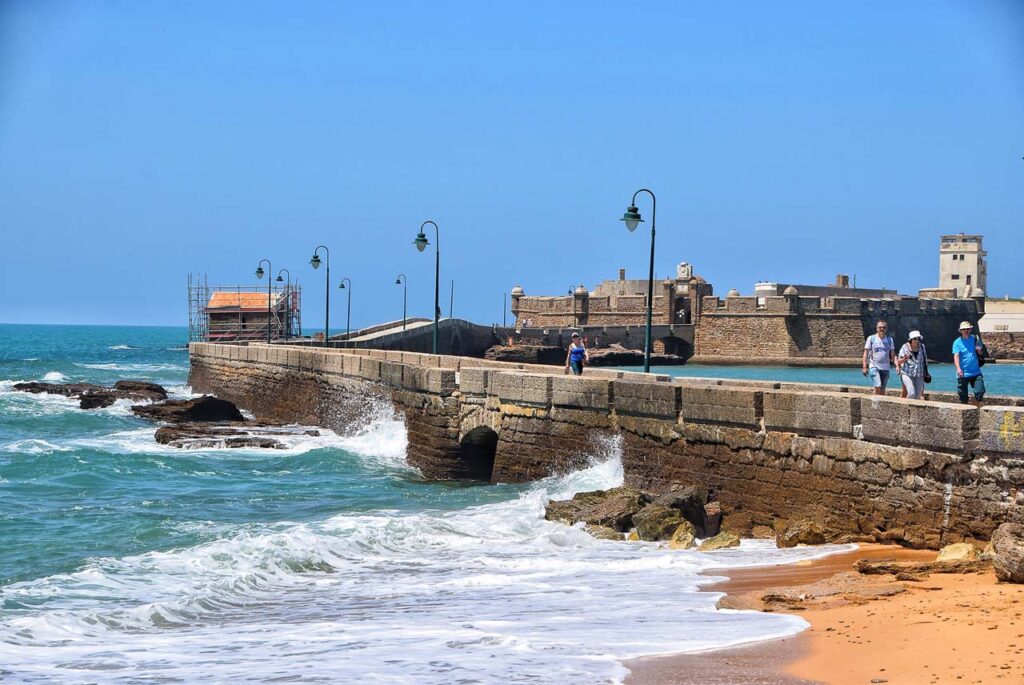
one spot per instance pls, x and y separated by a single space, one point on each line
648 399
473 381
521 388
918 423
722 405
581 393
818 413
391 373
429 380
351 365
369 368
1002 430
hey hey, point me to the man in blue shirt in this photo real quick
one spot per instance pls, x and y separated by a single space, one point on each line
966 350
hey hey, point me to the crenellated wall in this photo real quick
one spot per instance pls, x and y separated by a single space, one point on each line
923 473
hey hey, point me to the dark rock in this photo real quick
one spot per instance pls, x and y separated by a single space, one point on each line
657 522
205 409
801 533
616 355
97 396
604 533
1008 552
141 390
203 437
95 400
527 353
918 568
613 508
692 503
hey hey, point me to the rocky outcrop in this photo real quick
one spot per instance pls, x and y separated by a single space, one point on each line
616 355
720 541
657 522
613 508
692 503
203 437
801 533
91 396
960 551
527 353
207 409
920 568
683 537
1008 552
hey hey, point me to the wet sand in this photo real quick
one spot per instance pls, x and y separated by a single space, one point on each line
946 628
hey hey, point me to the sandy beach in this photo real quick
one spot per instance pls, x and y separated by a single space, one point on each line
942 628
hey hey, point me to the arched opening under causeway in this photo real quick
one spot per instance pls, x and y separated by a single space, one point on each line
676 346
476 453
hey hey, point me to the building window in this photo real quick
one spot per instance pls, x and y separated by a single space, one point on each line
968 279
955 277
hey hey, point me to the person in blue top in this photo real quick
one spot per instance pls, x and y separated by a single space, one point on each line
966 351
577 355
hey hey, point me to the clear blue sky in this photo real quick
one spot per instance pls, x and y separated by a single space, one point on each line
786 141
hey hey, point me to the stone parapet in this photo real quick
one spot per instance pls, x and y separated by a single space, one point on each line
522 388
919 423
818 414
721 405
1002 431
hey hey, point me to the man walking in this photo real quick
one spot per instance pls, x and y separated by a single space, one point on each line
879 357
966 354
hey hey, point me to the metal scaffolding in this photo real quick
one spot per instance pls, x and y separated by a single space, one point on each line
238 312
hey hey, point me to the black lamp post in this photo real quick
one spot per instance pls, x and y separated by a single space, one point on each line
632 219
572 294
348 320
315 261
259 274
403 281
287 301
421 243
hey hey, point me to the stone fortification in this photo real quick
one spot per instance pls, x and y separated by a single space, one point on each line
793 329
924 473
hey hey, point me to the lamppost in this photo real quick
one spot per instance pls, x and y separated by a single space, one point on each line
315 261
572 294
287 301
632 219
403 281
259 274
421 243
348 321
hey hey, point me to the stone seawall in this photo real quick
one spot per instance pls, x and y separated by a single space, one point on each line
923 473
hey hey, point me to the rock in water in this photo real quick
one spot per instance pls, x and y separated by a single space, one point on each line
683 537
612 508
1008 552
801 533
960 551
692 503
604 533
657 522
142 389
206 408
95 400
92 396
720 541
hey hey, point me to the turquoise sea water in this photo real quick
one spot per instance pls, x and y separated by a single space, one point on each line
330 561
1000 379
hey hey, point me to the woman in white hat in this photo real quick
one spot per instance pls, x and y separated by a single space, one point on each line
912 363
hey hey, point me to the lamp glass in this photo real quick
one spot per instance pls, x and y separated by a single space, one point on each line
632 218
421 241
259 272
315 261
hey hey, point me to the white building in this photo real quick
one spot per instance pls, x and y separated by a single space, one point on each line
962 266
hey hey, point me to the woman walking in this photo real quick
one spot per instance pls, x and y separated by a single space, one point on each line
577 355
912 363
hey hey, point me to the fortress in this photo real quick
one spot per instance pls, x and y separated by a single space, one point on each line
779 324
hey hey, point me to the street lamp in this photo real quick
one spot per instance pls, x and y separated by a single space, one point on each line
287 301
348 321
315 262
259 274
421 243
632 219
403 281
572 294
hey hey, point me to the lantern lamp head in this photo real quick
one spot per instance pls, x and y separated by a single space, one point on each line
421 241
315 261
632 218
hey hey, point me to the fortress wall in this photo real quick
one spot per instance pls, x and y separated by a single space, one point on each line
921 473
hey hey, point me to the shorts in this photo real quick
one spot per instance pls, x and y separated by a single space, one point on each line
977 384
914 386
879 377
577 368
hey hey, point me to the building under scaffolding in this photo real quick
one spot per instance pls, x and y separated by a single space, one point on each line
238 312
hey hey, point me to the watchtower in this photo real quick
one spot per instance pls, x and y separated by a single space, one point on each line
962 265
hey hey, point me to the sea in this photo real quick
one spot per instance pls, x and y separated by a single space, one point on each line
331 561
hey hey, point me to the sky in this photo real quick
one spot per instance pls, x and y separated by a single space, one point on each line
785 141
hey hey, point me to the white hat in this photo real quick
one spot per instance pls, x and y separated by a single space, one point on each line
915 334
965 324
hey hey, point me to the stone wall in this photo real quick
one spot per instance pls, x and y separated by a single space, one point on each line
1005 345
820 331
923 473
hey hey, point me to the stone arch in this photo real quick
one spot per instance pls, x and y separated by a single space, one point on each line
476 452
672 345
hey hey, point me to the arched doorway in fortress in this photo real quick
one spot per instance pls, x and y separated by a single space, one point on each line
476 453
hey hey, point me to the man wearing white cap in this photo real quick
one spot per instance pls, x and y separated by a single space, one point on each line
913 366
966 355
